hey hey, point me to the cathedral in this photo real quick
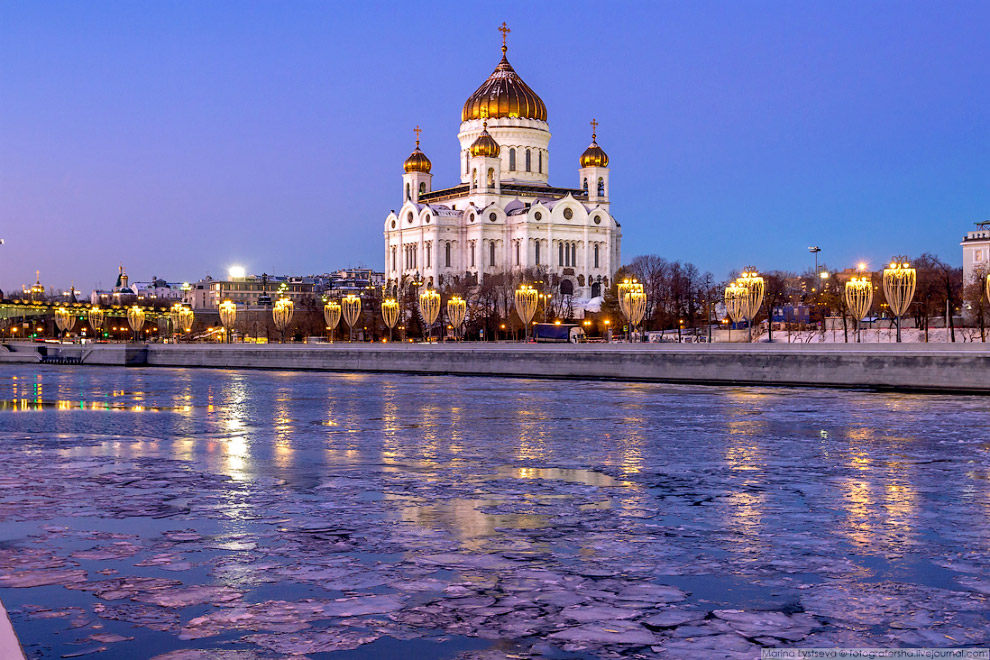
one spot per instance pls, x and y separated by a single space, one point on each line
504 216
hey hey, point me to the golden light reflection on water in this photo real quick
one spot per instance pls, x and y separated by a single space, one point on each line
462 519
743 453
39 404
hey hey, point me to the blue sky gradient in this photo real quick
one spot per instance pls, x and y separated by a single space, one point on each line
183 137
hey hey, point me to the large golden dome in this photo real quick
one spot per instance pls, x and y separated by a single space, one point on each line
485 145
504 94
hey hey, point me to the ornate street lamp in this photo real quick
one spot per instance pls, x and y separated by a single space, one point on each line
736 301
351 307
331 314
135 319
429 308
859 299
173 317
625 288
899 280
228 314
96 318
456 312
390 314
755 289
64 319
987 286
186 316
526 300
635 304
282 315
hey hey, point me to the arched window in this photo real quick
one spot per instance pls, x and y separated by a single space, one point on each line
393 257
491 253
601 187
474 179
512 160
491 177
585 186
517 253
566 288
407 192
537 253
422 187
529 161
472 254
467 162
540 160
446 255
574 254
560 254
596 255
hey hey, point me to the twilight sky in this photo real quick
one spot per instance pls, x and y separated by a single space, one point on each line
183 137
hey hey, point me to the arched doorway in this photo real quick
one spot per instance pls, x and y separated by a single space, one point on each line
596 290
566 288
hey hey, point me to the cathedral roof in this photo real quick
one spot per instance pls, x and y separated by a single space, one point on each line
504 94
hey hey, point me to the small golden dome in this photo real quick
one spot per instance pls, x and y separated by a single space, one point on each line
485 146
504 94
594 156
417 161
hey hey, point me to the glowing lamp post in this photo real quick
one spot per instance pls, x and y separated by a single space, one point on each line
755 289
331 314
456 311
186 317
228 314
390 314
282 313
624 287
135 319
181 318
96 319
859 299
635 306
736 301
526 300
64 319
429 308
351 308
899 280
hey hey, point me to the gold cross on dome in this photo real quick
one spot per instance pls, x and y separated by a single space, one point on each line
594 129
417 131
505 32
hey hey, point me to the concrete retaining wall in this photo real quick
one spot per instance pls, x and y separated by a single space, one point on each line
931 367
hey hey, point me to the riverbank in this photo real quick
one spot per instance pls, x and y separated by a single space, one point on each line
907 367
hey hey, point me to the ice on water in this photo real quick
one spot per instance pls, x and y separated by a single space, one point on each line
268 515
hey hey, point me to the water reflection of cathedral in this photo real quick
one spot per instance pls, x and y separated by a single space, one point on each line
504 216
